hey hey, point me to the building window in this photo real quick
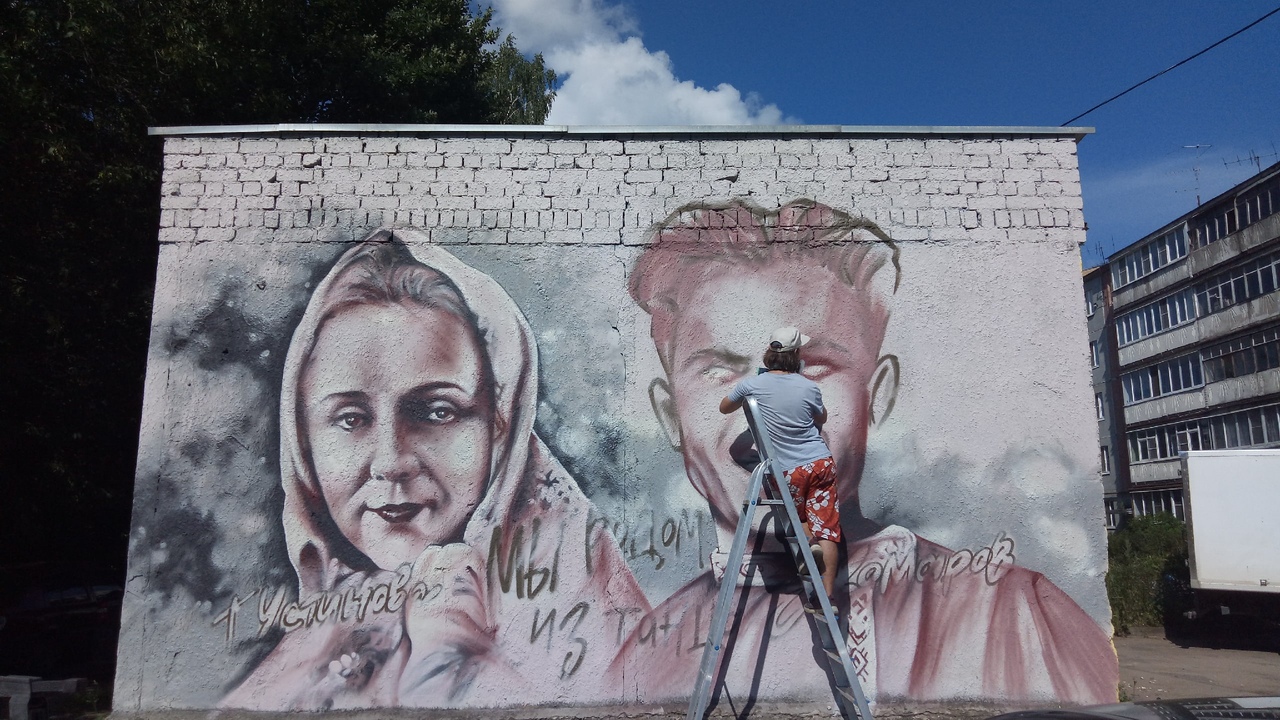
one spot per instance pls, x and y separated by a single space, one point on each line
1166 378
1105 458
1114 509
1097 400
1260 202
1245 209
1089 307
1242 356
1156 317
1245 428
1094 355
1215 223
1230 287
1238 284
1149 257
1159 501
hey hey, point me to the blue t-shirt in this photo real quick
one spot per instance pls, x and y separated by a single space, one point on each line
788 403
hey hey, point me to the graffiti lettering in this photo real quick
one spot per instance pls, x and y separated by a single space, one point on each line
538 630
580 610
650 634
992 562
623 612
650 539
269 609
326 606
518 569
699 637
229 615
276 610
573 658
659 630
698 632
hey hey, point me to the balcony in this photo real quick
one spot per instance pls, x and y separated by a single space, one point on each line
1158 471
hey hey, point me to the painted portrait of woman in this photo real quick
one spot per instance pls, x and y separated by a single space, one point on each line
431 530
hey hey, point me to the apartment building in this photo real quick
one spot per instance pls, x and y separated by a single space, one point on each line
1187 354
1102 358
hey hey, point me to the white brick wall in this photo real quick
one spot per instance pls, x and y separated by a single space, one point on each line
608 191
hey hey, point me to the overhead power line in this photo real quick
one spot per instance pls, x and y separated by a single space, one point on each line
1171 67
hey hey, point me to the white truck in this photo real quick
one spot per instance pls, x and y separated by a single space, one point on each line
1232 504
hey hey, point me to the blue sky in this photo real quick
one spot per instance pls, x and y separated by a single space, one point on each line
943 63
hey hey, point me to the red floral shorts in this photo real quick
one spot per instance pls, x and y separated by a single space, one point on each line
813 488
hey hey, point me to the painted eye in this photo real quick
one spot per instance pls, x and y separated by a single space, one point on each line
350 421
817 371
441 413
717 373
432 412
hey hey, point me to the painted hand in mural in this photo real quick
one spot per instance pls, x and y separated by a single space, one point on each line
353 642
449 624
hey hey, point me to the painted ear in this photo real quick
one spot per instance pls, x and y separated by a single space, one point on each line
664 408
883 389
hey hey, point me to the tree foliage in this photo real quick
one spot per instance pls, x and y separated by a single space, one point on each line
1146 557
79 197
517 87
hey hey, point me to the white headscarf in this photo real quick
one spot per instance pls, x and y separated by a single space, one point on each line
530 510
320 554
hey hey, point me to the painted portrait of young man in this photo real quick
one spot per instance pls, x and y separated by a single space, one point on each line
923 622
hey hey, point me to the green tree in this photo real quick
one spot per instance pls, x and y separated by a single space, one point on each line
79 197
517 87
1142 557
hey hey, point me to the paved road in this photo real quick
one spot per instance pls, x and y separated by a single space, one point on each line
1245 661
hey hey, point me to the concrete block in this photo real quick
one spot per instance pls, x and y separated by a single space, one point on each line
381 145
177 235
483 236
643 176
340 146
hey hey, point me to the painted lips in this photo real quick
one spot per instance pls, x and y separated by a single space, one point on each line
398 512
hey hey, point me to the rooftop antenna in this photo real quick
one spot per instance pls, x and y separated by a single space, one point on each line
1254 158
1196 168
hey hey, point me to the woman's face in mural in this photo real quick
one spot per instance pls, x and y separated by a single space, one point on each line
399 420
721 337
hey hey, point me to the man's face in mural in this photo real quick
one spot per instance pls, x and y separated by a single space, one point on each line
721 334
399 421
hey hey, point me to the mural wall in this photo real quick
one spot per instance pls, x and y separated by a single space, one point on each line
432 421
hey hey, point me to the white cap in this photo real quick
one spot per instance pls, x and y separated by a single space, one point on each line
787 339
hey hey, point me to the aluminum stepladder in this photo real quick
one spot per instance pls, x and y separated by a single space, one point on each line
767 480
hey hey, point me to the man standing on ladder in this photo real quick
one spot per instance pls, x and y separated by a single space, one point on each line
793 413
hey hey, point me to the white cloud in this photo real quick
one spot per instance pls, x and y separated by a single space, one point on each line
608 75
626 84
542 25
